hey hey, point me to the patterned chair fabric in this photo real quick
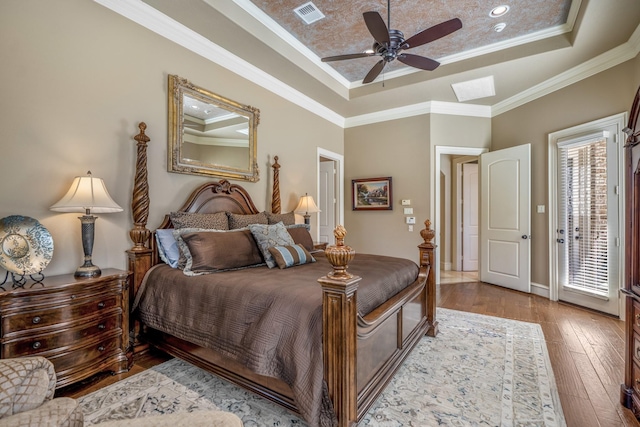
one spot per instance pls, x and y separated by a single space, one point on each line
27 386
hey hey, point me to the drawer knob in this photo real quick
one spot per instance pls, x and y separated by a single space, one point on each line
102 305
101 348
36 320
36 345
102 326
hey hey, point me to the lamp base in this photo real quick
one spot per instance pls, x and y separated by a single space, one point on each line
89 270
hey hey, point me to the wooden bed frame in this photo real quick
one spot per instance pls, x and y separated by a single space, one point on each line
361 354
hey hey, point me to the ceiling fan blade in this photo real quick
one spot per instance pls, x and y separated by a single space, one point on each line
347 56
373 73
433 33
377 27
418 61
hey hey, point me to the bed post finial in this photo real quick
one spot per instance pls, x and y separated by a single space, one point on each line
427 259
140 200
275 197
340 255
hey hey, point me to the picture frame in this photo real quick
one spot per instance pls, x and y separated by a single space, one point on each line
372 194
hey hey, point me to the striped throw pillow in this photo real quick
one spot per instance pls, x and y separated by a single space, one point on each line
289 256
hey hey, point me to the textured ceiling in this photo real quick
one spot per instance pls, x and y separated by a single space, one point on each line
343 29
545 43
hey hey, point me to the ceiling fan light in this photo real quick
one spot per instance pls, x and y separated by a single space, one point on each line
499 11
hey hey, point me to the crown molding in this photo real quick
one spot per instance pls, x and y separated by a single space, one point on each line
600 63
152 19
429 107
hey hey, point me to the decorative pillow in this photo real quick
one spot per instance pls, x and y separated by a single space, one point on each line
286 218
210 221
242 221
267 236
168 247
300 234
289 256
210 251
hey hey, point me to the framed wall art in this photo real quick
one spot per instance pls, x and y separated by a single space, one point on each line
372 194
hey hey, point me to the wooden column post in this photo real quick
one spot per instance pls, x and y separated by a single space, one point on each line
140 255
427 259
275 194
339 320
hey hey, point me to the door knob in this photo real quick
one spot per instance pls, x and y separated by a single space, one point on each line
525 237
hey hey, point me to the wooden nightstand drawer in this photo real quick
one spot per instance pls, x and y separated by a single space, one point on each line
81 356
35 344
29 319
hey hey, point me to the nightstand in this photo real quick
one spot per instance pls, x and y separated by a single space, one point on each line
320 245
79 324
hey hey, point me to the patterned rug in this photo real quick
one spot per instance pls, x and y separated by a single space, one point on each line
479 371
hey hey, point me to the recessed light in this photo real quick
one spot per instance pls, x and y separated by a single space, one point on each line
499 11
499 27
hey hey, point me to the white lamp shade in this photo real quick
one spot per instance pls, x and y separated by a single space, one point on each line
306 205
87 192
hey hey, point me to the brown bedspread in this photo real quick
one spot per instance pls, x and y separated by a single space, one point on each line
269 320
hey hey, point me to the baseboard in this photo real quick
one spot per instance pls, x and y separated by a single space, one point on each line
445 266
540 290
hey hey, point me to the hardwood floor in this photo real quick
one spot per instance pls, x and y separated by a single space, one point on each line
586 350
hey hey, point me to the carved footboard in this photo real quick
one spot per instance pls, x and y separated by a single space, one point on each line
360 354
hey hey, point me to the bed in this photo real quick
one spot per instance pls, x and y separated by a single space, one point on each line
329 358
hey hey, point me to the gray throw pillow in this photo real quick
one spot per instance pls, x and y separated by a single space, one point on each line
267 236
211 221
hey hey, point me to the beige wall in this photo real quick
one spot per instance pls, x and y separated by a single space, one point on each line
402 149
399 149
602 95
79 80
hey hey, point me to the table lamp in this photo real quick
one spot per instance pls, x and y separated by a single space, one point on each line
306 206
89 195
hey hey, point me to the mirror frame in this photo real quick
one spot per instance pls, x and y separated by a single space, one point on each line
178 88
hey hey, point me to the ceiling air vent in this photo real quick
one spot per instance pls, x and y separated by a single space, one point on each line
309 12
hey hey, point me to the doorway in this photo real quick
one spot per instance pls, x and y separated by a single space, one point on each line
442 221
330 195
586 196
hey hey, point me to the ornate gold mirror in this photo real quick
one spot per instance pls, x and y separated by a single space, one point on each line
210 135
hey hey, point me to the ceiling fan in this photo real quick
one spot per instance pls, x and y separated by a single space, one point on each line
390 44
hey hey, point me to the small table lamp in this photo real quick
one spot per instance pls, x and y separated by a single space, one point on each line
85 195
306 206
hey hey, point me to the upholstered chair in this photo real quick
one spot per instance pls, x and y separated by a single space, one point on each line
27 386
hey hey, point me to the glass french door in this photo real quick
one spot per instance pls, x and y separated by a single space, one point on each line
587 236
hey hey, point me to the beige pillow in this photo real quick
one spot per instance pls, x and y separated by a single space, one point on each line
212 221
242 221
286 218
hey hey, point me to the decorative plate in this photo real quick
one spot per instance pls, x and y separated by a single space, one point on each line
26 246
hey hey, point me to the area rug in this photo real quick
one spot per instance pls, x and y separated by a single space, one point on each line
478 371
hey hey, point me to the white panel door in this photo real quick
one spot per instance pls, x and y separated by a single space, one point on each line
505 219
470 224
327 201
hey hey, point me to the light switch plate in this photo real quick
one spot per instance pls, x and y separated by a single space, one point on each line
540 208
406 202
408 211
